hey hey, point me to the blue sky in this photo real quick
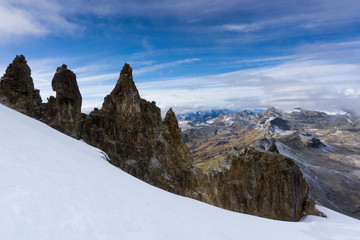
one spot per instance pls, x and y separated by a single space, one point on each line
194 55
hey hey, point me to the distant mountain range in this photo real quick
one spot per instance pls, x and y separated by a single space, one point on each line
326 147
203 116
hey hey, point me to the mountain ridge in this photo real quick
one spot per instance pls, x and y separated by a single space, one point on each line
130 130
53 186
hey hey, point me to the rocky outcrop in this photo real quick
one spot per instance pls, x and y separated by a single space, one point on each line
63 112
130 130
17 89
265 144
263 184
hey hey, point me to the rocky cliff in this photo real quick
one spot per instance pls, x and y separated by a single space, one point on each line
130 130
265 184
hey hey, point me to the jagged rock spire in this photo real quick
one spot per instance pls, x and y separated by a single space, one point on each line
171 123
124 97
65 85
125 84
64 111
17 88
17 77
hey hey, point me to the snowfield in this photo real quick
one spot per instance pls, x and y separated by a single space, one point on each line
56 187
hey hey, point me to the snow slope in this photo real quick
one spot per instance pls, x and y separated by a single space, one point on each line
55 187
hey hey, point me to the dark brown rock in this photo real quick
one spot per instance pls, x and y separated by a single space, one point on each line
130 130
17 88
64 111
65 84
263 184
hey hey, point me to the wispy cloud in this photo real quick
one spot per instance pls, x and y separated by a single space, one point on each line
316 77
156 67
243 27
321 73
98 78
33 18
16 21
38 18
311 82
263 90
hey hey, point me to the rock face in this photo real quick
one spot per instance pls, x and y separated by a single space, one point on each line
264 184
64 111
17 88
130 130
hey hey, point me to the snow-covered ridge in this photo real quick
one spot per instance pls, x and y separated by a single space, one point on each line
55 187
333 112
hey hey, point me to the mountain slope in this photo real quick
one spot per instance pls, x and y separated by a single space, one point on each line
324 146
130 131
55 187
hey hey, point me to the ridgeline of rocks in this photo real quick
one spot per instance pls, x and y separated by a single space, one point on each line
130 130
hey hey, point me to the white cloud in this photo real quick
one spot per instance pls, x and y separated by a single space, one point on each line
156 67
243 27
97 78
351 93
304 83
296 81
33 18
55 17
321 76
15 21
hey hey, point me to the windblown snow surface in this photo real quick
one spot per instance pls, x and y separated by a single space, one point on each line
56 187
